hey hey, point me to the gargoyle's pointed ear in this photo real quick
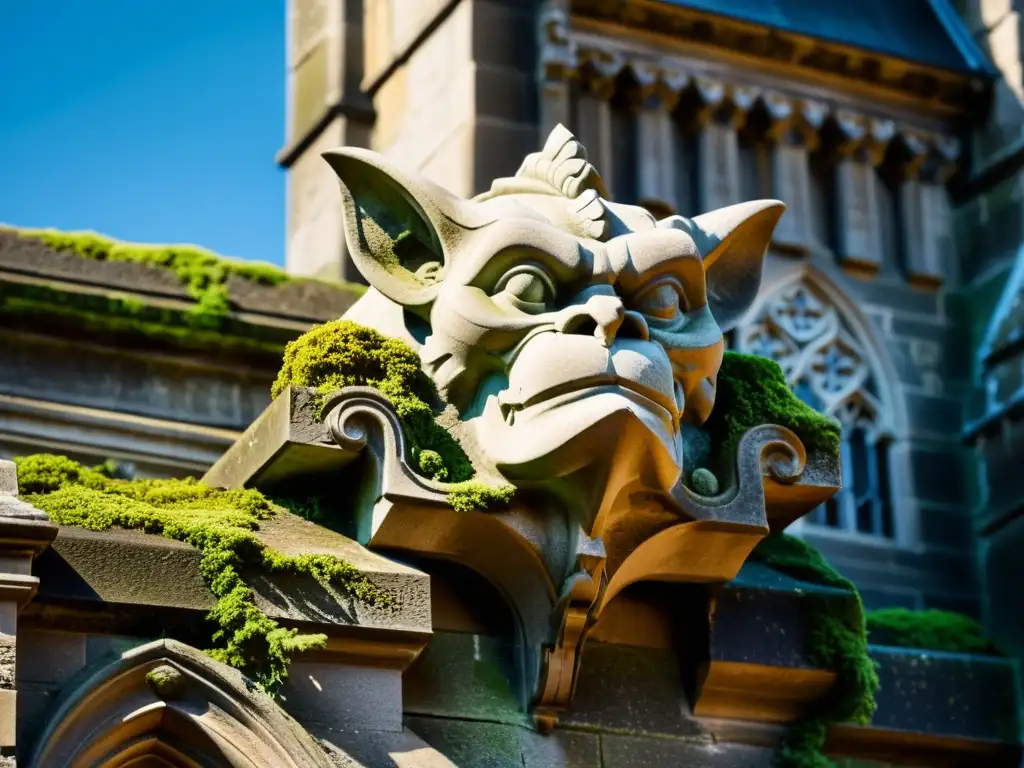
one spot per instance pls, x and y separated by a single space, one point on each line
399 228
733 242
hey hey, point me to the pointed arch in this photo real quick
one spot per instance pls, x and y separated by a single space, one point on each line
173 705
803 314
835 361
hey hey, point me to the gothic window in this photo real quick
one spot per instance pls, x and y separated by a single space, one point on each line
826 365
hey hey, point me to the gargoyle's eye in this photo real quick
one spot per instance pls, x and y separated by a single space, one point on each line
662 301
527 286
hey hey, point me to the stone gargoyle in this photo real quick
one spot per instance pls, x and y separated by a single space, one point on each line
574 340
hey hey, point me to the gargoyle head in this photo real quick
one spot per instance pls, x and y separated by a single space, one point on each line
566 329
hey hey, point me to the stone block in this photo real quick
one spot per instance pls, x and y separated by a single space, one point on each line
8 718
109 379
649 678
465 676
284 443
504 35
935 415
8 479
952 695
944 527
938 475
891 294
471 744
505 94
561 749
448 162
152 572
109 647
498 149
35 700
49 657
365 748
359 697
642 752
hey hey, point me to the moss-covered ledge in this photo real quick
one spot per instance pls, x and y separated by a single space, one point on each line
228 570
765 664
177 294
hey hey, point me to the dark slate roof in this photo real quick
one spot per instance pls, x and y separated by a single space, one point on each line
921 31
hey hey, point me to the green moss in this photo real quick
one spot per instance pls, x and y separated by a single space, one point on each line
837 641
222 525
752 391
931 630
125 317
202 272
205 324
342 354
470 495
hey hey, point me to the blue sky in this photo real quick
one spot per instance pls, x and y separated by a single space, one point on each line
147 120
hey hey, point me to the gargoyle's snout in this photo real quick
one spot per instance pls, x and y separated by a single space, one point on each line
605 318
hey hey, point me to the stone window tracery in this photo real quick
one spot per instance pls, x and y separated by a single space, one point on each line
829 369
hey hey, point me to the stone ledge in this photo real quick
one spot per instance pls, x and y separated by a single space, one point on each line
284 442
115 579
758 673
301 300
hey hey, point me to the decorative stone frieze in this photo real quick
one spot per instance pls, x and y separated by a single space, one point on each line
721 106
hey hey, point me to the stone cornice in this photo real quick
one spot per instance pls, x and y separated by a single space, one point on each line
794 110
938 89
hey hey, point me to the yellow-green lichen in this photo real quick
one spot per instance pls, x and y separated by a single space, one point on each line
342 354
753 391
222 525
837 641
931 630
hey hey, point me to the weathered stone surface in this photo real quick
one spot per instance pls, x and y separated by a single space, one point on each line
97 376
285 443
8 479
761 618
8 655
49 657
152 571
302 300
946 694
358 697
488 745
641 752
365 748
470 744
632 689
465 676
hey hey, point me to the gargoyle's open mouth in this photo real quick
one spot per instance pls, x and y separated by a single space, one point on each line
571 391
